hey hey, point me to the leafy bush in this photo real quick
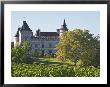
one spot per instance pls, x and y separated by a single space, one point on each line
46 70
21 54
49 55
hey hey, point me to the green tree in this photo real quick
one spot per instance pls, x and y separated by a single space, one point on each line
21 54
78 45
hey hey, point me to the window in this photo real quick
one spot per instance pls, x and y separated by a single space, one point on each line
50 45
36 45
42 45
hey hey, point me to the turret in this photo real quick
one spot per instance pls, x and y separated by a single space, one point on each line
63 28
16 38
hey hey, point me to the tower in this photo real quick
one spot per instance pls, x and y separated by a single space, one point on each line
63 28
25 33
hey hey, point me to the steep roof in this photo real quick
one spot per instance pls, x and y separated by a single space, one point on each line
64 23
25 26
49 34
64 26
17 33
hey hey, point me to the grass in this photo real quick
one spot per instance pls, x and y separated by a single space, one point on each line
54 61
51 67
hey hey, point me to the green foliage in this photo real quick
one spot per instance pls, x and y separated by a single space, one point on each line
49 55
46 70
36 54
21 54
79 44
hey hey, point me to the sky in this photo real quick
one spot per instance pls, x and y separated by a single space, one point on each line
49 21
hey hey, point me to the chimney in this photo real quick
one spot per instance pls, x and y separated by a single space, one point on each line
38 32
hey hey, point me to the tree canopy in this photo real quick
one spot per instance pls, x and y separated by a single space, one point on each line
79 45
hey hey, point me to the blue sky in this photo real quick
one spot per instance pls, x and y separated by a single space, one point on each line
49 21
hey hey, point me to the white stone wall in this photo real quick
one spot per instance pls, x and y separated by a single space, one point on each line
16 40
61 32
46 45
27 35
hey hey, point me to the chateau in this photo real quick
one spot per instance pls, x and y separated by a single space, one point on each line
43 41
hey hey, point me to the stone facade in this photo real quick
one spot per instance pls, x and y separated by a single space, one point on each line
41 41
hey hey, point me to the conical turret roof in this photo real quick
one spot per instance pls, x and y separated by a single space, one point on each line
64 26
64 23
17 33
25 26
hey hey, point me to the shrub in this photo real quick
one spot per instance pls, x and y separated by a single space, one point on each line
47 55
21 54
45 70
